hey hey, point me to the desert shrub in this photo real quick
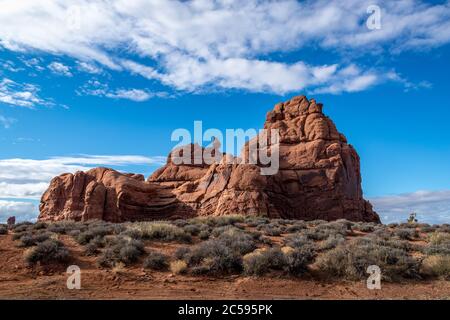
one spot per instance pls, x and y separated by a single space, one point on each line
297 260
132 233
262 261
66 227
296 227
29 239
238 241
120 249
266 241
272 229
192 229
436 266
49 251
22 226
297 241
3 229
156 261
318 234
228 220
162 231
364 227
427 228
216 232
181 222
337 227
332 242
439 238
39 225
383 233
204 235
216 256
351 261
94 231
393 225
178 267
91 249
406 233
182 253
254 221
444 228
315 223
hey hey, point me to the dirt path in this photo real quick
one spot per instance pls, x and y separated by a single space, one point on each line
19 282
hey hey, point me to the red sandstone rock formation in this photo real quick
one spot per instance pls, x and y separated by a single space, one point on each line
318 178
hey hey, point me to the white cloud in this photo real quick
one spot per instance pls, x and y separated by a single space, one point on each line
6 122
89 68
96 88
430 206
175 40
10 66
22 95
28 179
60 68
23 211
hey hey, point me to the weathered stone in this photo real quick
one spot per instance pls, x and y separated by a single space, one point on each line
319 178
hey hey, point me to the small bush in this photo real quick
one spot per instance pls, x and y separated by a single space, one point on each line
156 261
66 227
298 241
94 232
39 226
49 251
178 267
91 249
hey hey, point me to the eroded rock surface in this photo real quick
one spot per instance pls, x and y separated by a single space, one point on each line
318 178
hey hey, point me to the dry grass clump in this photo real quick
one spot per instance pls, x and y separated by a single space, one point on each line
178 267
436 266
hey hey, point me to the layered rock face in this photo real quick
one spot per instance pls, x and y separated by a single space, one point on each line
318 178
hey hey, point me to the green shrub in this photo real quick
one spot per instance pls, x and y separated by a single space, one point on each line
298 241
182 253
94 232
156 261
49 251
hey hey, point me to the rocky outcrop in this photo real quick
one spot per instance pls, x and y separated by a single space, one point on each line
318 178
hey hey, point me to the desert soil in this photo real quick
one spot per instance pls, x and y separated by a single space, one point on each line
17 281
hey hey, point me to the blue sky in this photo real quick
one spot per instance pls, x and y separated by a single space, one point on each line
106 82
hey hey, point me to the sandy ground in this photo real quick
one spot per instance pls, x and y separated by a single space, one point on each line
17 281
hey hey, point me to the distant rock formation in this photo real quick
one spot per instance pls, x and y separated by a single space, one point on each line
318 178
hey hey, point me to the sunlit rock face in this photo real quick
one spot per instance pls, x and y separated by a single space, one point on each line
318 178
